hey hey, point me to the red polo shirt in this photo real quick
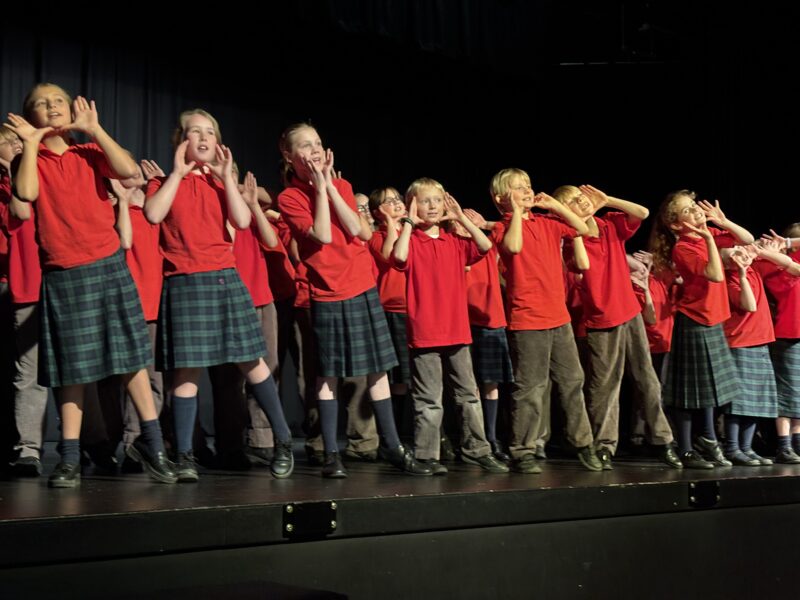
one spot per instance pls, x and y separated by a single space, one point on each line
280 271
22 267
484 294
535 276
251 265
659 335
145 262
785 291
745 328
391 281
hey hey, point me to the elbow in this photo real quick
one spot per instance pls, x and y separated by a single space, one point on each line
152 215
582 266
324 239
513 248
715 277
583 229
643 214
126 243
25 193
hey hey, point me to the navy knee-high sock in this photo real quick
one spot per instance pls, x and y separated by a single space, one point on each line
328 417
385 418
746 433
796 442
70 451
490 418
152 436
683 426
184 414
732 427
266 394
708 423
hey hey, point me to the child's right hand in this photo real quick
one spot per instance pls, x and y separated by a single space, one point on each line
151 170
250 191
180 166
317 176
26 131
412 211
702 231
774 237
476 218
545 201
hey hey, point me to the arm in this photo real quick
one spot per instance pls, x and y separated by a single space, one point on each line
579 254
512 240
555 207
123 224
391 237
238 212
22 210
478 220
348 217
746 297
713 271
400 252
24 170
788 243
770 253
250 197
158 204
480 239
635 212
715 214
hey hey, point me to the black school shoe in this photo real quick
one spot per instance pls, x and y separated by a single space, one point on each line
765 462
402 458
787 456
668 456
436 467
499 452
158 466
692 460
711 451
65 475
283 460
332 467
487 462
27 466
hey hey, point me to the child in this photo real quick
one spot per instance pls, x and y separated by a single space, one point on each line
439 339
351 336
85 278
206 315
700 372
541 341
781 274
615 335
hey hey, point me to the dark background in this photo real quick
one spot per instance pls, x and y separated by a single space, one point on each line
638 98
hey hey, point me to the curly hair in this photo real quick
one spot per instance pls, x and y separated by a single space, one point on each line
662 237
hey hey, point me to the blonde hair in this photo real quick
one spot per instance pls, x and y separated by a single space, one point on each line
180 132
565 193
285 147
792 230
501 185
27 103
8 135
662 237
422 182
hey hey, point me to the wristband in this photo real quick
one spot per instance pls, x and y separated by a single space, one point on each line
788 243
405 220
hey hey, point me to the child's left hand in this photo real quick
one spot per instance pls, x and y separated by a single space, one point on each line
223 168
646 258
476 218
327 167
452 208
598 198
713 212
545 201
250 190
86 117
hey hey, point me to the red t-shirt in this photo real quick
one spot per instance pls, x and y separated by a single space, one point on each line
251 265
572 290
340 270
659 335
535 276
703 301
785 291
391 281
744 328
437 289
145 262
5 198
23 267
607 295
74 219
484 294
194 238
280 271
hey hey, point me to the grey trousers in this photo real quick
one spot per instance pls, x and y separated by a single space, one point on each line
428 367
611 352
538 355
30 398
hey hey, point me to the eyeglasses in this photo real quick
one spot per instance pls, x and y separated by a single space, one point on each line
392 200
363 208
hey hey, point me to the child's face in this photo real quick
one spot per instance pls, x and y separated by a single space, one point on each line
430 204
362 205
519 191
10 146
50 107
580 205
202 139
392 205
687 211
306 146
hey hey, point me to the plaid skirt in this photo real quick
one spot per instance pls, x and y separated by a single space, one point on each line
786 362
352 337
490 359
700 372
397 329
91 324
206 319
758 396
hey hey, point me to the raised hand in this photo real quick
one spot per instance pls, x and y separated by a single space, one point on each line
223 167
774 237
412 211
85 117
713 212
545 201
646 258
180 166
151 169
317 176
741 258
476 218
702 231
595 196
272 215
24 130
452 208
327 166
250 190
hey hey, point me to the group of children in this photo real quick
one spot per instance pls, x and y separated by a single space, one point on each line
111 265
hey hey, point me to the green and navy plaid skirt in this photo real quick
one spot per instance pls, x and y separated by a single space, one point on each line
352 337
397 329
785 355
490 359
206 319
92 325
758 396
700 371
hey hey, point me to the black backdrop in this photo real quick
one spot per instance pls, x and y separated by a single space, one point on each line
635 97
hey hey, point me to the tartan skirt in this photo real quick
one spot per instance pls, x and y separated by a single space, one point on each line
397 329
758 396
490 359
91 324
206 319
785 355
700 371
352 337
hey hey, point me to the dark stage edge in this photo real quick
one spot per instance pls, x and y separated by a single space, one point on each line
234 523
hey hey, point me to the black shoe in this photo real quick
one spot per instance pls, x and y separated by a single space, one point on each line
186 468
261 457
711 451
356 455
740 459
589 459
787 456
499 453
158 467
283 461
101 455
604 456
765 462
539 452
436 467
65 475
487 462
333 467
446 451
130 466
692 460
402 458
316 458
668 456
526 465
27 466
